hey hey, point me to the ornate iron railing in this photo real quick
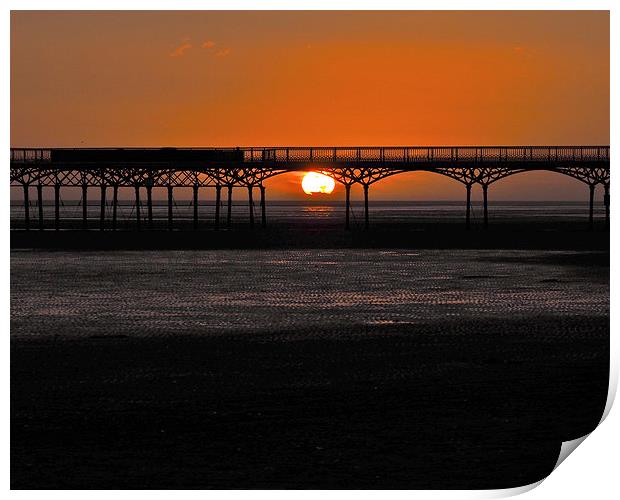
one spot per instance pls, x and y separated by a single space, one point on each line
365 154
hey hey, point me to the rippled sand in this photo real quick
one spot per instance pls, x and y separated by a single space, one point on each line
209 292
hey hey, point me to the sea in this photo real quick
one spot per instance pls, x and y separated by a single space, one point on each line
304 212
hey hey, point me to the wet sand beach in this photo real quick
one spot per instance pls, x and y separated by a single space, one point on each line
303 368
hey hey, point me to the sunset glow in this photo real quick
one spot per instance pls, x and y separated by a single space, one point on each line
313 182
191 79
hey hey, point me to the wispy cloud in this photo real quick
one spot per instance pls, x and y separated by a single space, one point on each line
209 45
181 49
222 53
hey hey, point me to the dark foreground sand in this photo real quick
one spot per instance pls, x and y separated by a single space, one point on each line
483 401
438 409
569 235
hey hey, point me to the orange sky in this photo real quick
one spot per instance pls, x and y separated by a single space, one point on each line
316 78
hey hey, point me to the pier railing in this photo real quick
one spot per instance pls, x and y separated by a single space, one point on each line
400 154
426 154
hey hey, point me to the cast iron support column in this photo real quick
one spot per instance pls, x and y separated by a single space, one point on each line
229 214
468 209
169 208
263 209
84 206
251 205
218 201
347 205
57 207
195 207
485 200
102 211
366 224
139 222
40 205
606 201
26 207
591 216
114 205
149 204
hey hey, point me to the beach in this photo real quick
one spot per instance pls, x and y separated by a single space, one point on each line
303 368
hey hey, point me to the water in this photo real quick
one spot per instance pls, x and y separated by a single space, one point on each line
242 291
304 212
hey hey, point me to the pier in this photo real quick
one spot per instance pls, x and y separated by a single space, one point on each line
247 168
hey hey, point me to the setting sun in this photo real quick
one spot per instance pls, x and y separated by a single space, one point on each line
313 182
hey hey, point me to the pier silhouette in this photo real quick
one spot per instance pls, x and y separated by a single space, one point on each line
247 168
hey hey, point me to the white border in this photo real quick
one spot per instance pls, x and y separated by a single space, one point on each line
590 472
